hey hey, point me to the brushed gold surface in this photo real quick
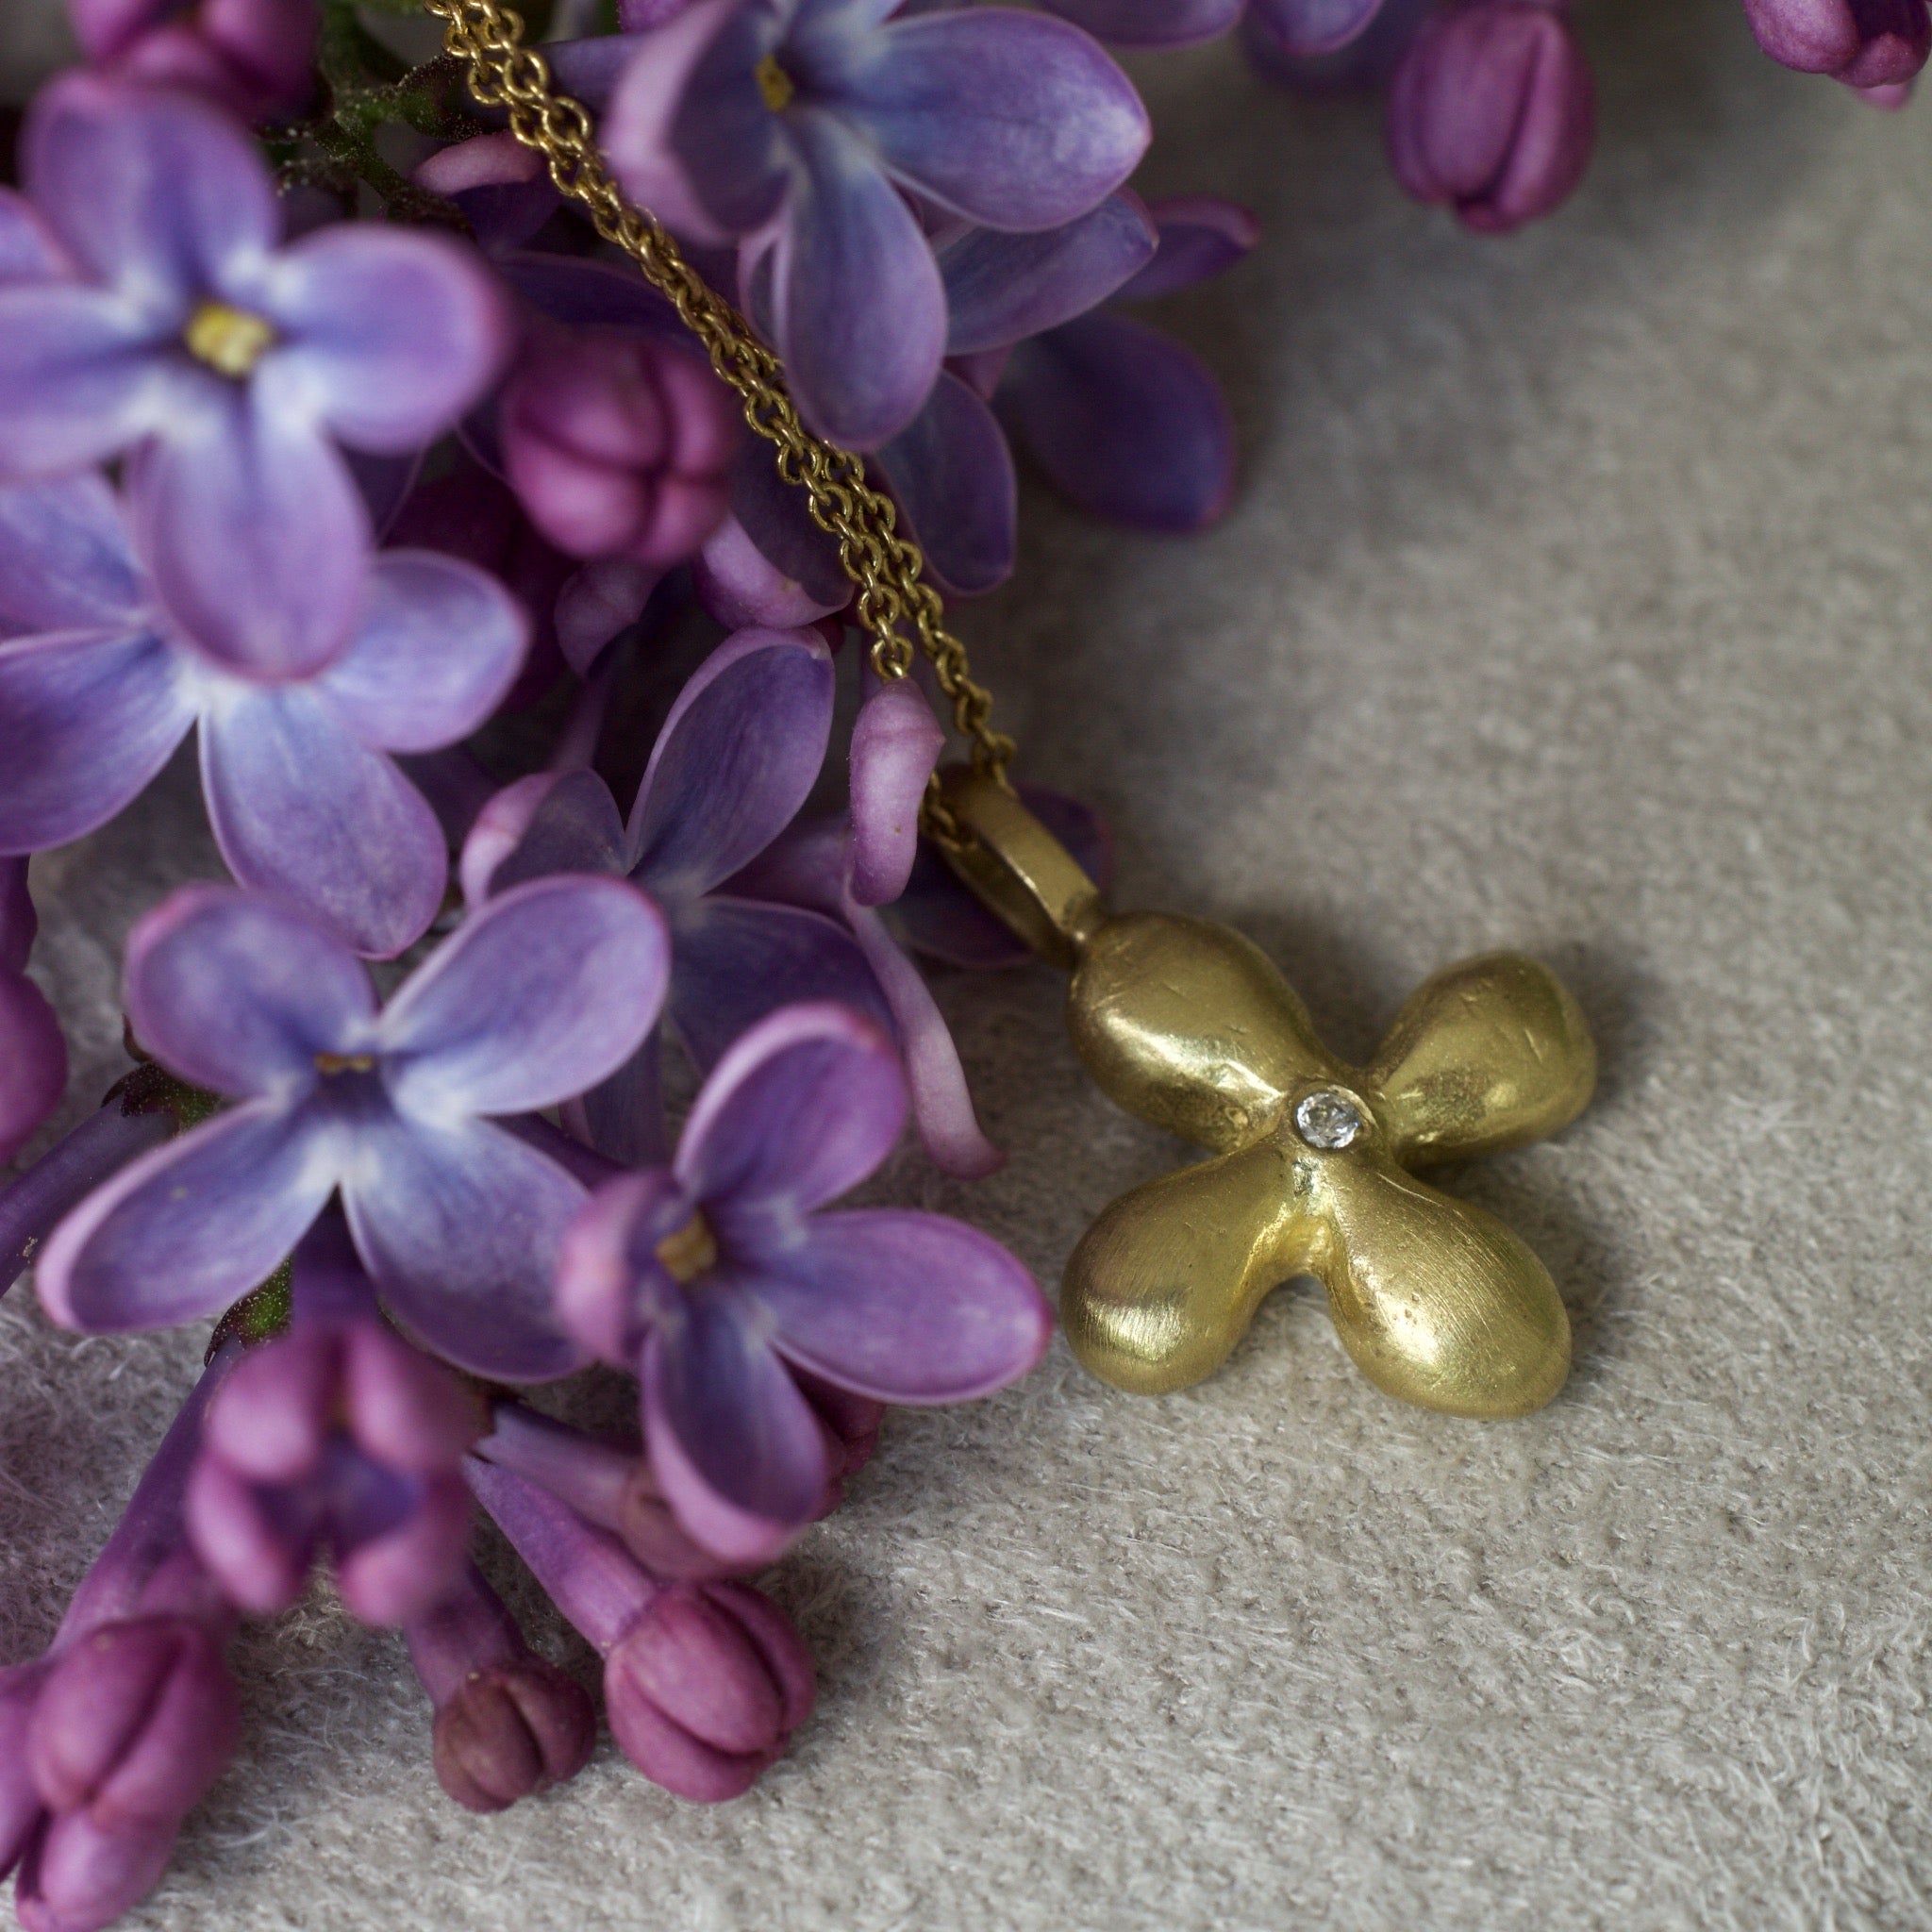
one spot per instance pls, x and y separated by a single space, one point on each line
1193 1028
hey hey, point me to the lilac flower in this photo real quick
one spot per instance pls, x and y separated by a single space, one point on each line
97 688
704 1683
33 1053
618 446
846 869
1869 44
711 1278
735 760
335 1435
251 57
507 1723
1297 27
537 995
1492 111
160 320
795 128
111 1739
767 565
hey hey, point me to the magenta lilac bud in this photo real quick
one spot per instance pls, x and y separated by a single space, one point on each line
618 445
507 1723
1869 44
1492 111
335 1436
703 1682
251 57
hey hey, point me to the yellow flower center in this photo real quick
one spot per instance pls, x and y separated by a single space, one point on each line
345 1062
230 341
688 1251
775 84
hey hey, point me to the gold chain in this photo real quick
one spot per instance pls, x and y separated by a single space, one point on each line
900 610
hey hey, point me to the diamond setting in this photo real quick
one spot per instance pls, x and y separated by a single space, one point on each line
1328 1120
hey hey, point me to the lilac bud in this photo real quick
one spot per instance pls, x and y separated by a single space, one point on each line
507 1723
79 1876
1492 111
706 1688
335 1435
134 1722
252 56
618 445
1865 43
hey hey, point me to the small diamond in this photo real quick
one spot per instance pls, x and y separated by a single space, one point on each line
1327 1120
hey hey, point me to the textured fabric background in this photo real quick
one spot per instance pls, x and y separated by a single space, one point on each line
1577 600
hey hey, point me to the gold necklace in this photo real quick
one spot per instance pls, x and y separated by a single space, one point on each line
1182 1021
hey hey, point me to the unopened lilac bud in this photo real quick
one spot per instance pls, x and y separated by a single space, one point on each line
507 1723
134 1722
1492 111
79 1876
253 56
1865 43
705 1687
512 1731
618 445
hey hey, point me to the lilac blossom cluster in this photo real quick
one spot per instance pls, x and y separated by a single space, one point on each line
406 523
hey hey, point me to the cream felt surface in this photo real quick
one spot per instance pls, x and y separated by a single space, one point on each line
1579 599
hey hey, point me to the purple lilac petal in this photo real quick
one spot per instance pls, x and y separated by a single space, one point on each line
768 564
502 187
622 1118
589 69
941 1101
302 808
739 585
687 132
592 294
1124 421
737 1448
86 720
34 1202
64 560
541 825
897 742
952 475
390 333
735 760
462 1272
801 1109
33 1061
157 195
1201 236
184 1230
903 1307
598 601
1015 120
542 992
739 959
1301 28
1152 23
859 310
938 916
29 252
441 644
1002 287
239 995
255 534
609 1282
20 925
1866 44
77 381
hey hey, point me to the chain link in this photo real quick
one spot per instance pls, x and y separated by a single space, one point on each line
898 608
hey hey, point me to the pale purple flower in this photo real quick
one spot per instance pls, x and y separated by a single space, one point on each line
537 996
508 1725
1869 44
797 129
737 757
712 1278
111 1738
150 313
1492 111
618 445
97 688
704 1683
251 57
33 1052
335 1436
